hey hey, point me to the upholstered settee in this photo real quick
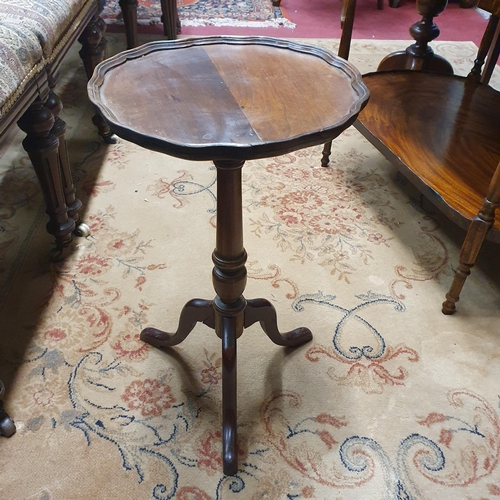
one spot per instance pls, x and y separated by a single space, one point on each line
35 35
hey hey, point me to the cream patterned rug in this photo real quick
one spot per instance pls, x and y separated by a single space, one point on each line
391 399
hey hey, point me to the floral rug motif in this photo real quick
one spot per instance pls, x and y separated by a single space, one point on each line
254 13
390 400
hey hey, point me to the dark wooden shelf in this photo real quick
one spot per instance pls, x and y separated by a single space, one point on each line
442 132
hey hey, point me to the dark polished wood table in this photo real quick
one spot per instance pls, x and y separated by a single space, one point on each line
227 99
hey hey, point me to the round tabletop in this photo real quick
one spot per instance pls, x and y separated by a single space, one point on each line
222 97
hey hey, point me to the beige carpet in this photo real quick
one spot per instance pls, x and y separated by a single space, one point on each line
391 399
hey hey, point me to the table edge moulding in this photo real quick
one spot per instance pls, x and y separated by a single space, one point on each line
227 151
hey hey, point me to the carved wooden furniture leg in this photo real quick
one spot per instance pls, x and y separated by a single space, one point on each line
129 13
347 24
347 21
229 277
490 39
263 311
72 202
170 19
325 156
42 147
476 234
93 51
229 313
7 427
196 310
420 56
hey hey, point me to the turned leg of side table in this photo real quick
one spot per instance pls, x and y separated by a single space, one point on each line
229 313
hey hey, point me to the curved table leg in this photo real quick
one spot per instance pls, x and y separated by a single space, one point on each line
229 398
263 311
195 311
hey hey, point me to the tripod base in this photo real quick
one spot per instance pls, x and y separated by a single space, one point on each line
228 327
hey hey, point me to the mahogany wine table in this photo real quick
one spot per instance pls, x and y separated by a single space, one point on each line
227 99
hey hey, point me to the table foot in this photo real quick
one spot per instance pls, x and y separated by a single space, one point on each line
195 311
263 311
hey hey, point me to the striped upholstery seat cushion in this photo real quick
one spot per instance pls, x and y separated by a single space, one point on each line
20 59
47 19
32 32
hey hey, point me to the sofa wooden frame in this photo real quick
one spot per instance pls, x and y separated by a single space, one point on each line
35 107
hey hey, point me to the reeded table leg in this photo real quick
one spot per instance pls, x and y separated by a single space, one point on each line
229 313
42 147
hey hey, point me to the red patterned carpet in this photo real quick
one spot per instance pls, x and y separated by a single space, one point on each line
200 13
311 18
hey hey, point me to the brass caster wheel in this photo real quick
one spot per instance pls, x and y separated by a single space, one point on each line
82 230
109 139
7 426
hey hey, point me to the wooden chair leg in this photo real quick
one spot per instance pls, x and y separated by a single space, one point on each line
476 234
347 24
93 51
129 13
42 147
73 204
325 155
492 58
342 13
170 18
